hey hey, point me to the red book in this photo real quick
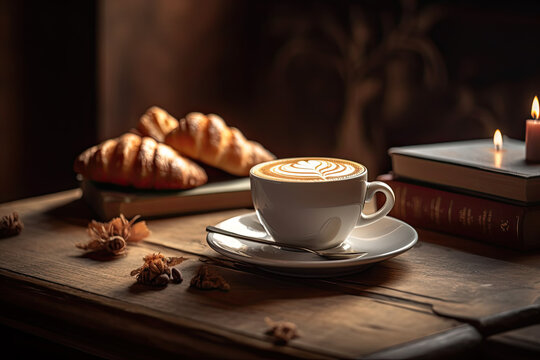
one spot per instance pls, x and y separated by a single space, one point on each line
478 218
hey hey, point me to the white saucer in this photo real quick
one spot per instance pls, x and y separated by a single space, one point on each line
381 240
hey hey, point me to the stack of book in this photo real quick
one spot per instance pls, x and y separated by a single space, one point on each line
469 189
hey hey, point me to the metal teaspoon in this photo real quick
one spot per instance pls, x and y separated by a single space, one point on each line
339 252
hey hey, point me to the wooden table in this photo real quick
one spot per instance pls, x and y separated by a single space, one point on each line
445 297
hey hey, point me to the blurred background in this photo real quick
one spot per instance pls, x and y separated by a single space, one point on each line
305 78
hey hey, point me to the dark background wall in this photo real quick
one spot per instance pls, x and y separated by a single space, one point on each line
47 93
338 78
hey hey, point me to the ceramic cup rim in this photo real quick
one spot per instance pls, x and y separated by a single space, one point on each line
360 174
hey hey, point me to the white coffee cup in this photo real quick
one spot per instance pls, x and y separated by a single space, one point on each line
314 202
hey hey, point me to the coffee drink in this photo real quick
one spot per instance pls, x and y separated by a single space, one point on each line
314 202
308 169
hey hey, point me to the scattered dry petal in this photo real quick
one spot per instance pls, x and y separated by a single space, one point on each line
207 279
10 225
282 331
139 231
156 269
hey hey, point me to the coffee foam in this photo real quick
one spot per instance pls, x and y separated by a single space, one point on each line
308 169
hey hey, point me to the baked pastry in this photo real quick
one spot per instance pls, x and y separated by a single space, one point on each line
141 162
208 139
156 123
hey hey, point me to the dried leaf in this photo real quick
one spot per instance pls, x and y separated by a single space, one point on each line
172 261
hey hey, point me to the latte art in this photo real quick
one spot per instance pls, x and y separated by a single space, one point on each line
308 169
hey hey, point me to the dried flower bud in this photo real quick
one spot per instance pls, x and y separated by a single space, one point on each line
116 245
10 225
282 331
113 236
156 270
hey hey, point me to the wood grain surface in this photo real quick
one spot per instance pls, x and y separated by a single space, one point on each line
522 343
438 289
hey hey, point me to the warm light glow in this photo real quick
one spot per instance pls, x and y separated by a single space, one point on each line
498 159
535 108
498 140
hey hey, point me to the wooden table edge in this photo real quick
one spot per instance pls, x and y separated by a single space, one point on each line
140 331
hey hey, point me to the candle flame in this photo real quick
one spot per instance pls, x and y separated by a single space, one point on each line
535 108
497 140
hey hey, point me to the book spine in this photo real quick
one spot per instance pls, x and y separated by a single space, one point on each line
457 214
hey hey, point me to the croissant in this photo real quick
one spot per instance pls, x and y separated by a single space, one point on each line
141 162
208 139
156 123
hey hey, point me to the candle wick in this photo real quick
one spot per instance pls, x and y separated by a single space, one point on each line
497 147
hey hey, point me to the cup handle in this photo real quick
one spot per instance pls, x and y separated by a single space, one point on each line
372 188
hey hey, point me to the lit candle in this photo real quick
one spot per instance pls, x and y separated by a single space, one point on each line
532 134
497 140
498 146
